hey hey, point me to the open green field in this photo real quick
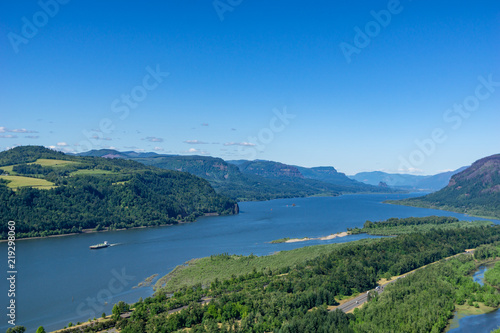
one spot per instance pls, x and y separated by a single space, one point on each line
42 161
16 182
92 172
51 163
205 270
8 169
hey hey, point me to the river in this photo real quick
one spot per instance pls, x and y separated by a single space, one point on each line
60 280
486 322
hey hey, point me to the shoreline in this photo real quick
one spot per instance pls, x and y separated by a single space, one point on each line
397 203
305 239
92 231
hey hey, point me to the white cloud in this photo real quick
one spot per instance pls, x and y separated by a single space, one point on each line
195 142
153 139
96 137
22 130
8 136
244 144
196 151
62 144
410 170
158 149
16 130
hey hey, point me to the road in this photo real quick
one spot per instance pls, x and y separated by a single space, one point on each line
357 301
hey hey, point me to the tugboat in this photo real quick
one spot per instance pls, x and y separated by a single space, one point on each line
99 246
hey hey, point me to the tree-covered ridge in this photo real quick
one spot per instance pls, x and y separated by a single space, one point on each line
324 178
475 191
281 300
251 180
101 193
28 154
397 222
397 226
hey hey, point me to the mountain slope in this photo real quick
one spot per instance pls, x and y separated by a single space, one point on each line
326 178
406 181
375 177
245 180
475 191
228 179
95 192
330 175
438 181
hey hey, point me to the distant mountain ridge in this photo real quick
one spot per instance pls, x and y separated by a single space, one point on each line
324 174
330 175
475 191
251 180
407 181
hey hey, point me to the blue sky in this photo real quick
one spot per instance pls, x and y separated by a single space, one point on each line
408 86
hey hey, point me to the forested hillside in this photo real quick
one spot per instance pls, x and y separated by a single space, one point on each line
251 180
92 192
475 191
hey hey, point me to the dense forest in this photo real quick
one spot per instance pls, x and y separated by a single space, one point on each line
98 193
298 298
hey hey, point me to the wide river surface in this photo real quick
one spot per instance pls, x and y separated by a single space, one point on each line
60 280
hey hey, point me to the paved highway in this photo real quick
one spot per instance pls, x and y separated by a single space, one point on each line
357 301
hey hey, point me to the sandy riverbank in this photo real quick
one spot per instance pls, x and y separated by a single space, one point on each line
305 239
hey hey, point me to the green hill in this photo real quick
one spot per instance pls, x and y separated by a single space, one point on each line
250 180
475 191
244 180
228 180
324 179
93 192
